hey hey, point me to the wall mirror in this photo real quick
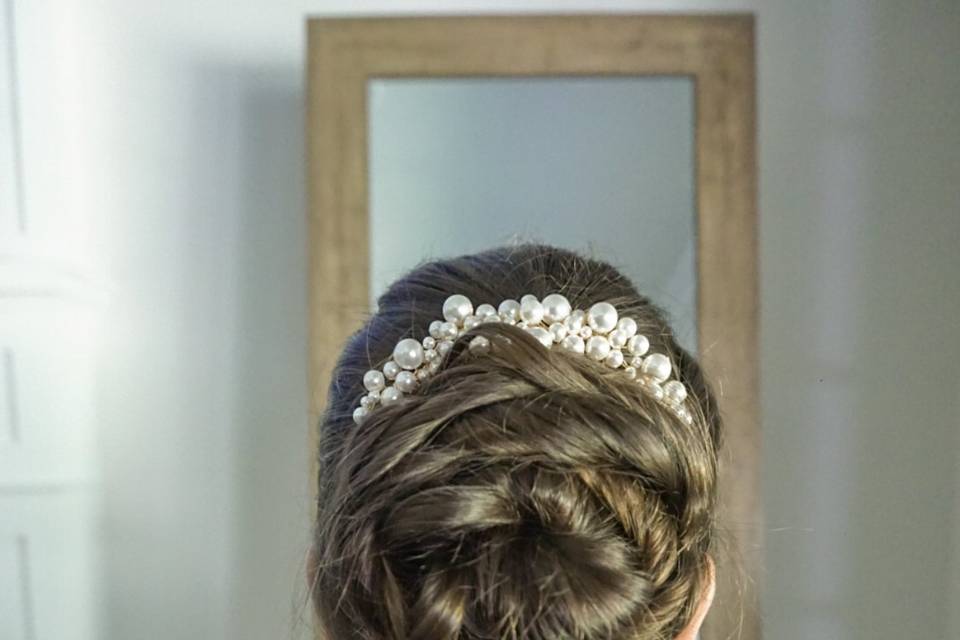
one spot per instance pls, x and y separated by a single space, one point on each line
628 136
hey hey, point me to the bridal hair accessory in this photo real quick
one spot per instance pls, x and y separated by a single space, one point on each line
597 332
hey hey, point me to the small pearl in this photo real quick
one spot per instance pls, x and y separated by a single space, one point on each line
448 330
406 381
456 308
631 372
485 310
471 321
585 332
602 317
628 326
638 345
435 328
391 369
492 318
429 342
444 348
429 355
541 334
615 359
573 343
373 380
529 298
555 308
575 321
359 414
657 366
509 310
636 361
423 373
408 353
598 347
480 345
618 338
390 395
559 331
531 311
368 402
675 391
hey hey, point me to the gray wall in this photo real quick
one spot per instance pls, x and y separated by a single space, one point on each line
160 151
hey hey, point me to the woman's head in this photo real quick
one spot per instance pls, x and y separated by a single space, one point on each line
529 493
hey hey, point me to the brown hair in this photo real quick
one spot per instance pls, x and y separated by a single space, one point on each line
525 494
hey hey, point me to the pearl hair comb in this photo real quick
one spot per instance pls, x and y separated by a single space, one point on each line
598 333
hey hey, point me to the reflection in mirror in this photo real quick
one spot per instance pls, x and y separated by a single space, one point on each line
603 165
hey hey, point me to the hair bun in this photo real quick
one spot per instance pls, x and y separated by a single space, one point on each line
562 570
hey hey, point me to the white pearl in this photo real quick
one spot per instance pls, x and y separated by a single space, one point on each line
573 343
615 359
479 345
448 330
529 298
359 414
654 389
471 321
555 308
391 369
628 326
675 391
484 310
390 395
408 353
435 328
585 332
423 373
531 311
444 348
509 310
492 318
373 380
406 381
602 317
575 320
631 372
429 342
541 334
429 355
368 402
638 345
636 361
618 338
657 366
598 347
559 331
456 308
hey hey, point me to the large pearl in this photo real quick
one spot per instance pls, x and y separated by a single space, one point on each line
555 308
390 395
531 310
456 308
657 366
373 380
675 391
406 381
602 317
575 320
618 338
448 330
509 310
598 347
638 345
485 310
627 325
408 353
615 359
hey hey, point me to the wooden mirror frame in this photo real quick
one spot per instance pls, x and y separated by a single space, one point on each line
715 50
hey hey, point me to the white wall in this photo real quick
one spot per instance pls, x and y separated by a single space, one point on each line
161 156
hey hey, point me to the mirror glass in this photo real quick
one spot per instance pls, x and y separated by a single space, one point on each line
603 165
